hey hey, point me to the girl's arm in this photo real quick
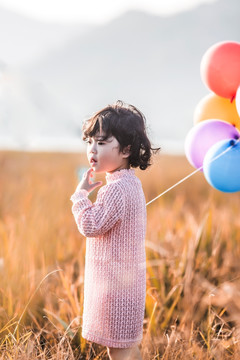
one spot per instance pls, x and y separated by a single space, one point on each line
98 218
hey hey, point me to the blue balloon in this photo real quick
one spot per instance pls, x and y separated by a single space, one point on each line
223 171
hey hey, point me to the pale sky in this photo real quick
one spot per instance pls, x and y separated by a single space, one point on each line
94 11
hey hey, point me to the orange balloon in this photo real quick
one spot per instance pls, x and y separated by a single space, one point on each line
215 107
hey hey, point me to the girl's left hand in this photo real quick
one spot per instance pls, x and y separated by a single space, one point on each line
86 183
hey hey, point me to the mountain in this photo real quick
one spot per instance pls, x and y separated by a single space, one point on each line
150 61
24 40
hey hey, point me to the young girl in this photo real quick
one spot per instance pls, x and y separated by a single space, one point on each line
115 266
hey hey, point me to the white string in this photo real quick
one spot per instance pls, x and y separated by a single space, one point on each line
232 142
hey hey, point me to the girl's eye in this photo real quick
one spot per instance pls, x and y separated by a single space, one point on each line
101 143
88 140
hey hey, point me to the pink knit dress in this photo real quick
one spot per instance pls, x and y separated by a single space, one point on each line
115 262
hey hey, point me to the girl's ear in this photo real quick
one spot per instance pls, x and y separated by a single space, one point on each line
126 151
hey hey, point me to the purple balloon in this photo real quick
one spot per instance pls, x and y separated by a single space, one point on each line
205 134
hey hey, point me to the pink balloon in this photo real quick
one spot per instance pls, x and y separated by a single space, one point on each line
220 68
204 135
238 100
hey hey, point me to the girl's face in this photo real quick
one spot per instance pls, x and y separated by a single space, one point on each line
104 155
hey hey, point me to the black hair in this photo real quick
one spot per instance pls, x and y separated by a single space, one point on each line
128 125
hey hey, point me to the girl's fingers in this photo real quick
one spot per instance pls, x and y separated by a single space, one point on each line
89 171
88 174
87 181
96 184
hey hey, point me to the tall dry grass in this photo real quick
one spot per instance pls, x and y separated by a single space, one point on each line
193 271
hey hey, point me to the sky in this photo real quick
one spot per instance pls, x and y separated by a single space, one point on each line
94 11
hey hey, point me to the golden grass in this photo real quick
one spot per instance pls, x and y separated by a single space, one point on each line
193 269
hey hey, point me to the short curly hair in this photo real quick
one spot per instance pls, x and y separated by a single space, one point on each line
128 125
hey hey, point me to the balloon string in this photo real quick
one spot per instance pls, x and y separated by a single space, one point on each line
232 143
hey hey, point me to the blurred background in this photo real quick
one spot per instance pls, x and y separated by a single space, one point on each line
60 61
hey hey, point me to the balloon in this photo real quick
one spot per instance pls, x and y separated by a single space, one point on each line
223 173
238 100
215 107
205 134
220 69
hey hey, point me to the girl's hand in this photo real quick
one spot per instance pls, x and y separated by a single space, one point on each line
86 183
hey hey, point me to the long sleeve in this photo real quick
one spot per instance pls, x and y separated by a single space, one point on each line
98 218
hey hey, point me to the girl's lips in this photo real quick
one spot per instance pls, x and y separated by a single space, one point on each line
93 161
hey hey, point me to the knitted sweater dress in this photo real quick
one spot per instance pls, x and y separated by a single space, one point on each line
115 261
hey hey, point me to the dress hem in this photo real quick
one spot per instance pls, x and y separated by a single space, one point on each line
111 343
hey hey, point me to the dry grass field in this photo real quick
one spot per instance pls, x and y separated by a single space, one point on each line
193 267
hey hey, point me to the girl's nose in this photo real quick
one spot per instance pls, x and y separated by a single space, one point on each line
93 148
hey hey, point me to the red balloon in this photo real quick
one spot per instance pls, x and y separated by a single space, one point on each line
220 68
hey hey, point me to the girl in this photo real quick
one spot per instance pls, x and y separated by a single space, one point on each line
115 266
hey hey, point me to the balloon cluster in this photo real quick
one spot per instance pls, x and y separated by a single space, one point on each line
213 143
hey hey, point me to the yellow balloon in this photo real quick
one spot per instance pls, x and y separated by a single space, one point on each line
213 106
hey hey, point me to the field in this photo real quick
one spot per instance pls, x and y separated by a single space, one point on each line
193 268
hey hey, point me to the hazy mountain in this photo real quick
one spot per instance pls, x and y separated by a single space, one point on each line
24 40
150 61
